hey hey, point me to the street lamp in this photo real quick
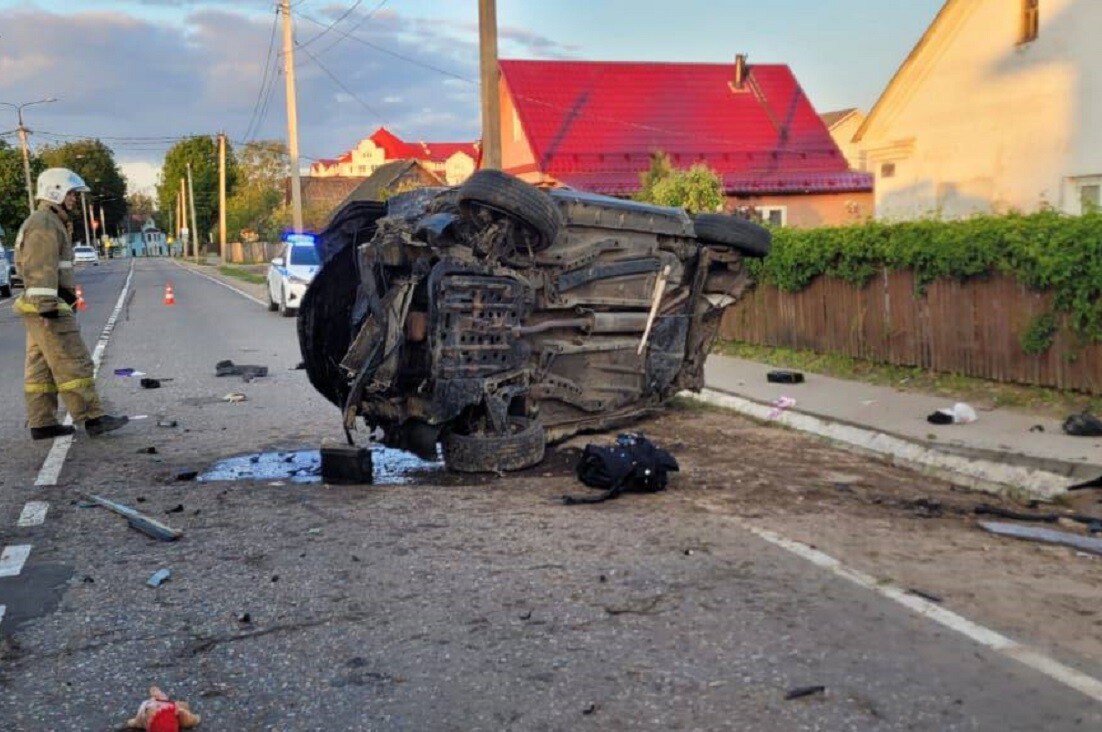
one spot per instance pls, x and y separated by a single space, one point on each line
23 141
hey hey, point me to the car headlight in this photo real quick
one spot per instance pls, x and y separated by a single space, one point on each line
297 280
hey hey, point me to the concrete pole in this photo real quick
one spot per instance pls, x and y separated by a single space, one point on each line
191 203
87 220
292 114
26 161
183 219
491 107
222 196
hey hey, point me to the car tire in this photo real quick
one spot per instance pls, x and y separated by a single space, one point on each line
5 291
741 235
517 199
522 448
283 309
272 304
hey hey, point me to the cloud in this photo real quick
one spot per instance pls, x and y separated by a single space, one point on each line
137 83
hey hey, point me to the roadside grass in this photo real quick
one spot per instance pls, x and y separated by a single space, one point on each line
242 274
1038 400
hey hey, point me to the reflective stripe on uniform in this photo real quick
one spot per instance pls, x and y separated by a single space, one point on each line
40 292
34 388
23 307
86 383
64 265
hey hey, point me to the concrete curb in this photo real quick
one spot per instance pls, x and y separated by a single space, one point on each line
1016 481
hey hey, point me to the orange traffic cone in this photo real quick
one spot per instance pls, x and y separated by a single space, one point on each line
170 297
81 305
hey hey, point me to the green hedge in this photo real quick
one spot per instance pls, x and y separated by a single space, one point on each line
1046 251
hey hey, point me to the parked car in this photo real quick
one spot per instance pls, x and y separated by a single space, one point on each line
84 254
14 279
495 317
5 273
291 273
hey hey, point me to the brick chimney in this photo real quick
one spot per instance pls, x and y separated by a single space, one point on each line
739 82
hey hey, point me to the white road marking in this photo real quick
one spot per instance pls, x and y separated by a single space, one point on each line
217 281
34 513
55 460
1050 667
3 609
13 558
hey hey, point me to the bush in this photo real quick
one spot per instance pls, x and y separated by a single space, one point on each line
1046 251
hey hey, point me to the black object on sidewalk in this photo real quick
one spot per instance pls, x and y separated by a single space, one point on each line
345 464
248 371
1083 425
634 464
784 377
150 383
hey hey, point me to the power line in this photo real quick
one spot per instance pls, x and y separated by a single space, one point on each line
346 90
264 78
356 27
330 27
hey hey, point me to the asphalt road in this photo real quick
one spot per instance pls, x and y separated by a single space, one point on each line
437 604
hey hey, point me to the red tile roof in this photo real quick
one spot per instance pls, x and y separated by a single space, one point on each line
398 149
593 125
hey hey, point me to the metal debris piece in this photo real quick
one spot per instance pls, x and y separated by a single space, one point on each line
159 577
1048 536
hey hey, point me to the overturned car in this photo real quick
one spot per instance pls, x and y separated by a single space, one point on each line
496 317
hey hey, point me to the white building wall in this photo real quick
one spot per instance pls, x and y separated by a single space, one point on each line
983 123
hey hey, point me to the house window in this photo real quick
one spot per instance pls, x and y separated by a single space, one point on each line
1031 17
773 215
1090 196
887 170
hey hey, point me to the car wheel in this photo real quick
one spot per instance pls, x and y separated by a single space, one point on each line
741 235
5 290
515 198
272 304
283 309
522 448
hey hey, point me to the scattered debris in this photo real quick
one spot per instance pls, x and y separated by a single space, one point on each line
147 451
345 464
138 520
959 413
244 618
780 404
159 578
187 475
634 465
590 709
248 372
136 417
1037 428
1083 425
158 712
150 383
1050 536
925 595
300 367
167 423
1048 518
178 508
526 616
234 398
801 691
128 373
782 376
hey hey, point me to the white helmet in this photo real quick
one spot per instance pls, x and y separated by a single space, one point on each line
55 183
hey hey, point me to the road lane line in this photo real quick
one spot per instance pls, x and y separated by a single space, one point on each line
55 460
13 558
217 281
1008 647
3 609
34 513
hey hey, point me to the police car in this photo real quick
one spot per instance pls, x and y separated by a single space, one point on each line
291 273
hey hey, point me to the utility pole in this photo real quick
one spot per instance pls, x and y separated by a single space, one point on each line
222 196
23 143
87 220
292 114
191 202
491 107
185 235
102 224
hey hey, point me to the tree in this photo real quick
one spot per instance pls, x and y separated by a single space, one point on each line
95 163
13 189
698 189
262 167
202 152
139 204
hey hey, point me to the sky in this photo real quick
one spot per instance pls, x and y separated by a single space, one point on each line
140 74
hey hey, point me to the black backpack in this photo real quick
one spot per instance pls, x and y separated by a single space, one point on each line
634 465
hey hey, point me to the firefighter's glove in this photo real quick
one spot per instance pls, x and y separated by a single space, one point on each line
50 315
69 296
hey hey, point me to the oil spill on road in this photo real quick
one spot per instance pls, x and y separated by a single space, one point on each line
391 467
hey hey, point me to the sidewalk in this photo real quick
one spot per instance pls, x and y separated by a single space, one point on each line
997 453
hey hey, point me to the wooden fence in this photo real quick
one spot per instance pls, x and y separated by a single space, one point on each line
971 328
254 252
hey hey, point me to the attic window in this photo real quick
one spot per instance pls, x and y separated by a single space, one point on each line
887 170
1031 15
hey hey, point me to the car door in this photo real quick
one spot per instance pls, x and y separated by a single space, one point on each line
275 277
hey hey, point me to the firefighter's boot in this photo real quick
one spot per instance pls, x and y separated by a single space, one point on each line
104 424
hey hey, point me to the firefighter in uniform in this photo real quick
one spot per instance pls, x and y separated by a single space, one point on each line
57 359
